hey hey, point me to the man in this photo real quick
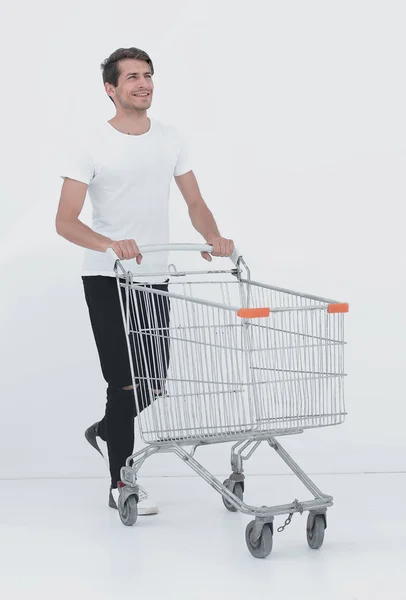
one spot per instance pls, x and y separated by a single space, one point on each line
126 165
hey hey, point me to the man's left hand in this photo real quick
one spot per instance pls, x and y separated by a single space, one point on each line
221 247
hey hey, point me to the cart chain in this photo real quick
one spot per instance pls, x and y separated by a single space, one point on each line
288 520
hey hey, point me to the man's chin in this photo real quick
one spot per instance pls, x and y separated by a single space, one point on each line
143 105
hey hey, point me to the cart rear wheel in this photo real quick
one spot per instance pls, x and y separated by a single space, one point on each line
315 535
262 547
128 510
237 491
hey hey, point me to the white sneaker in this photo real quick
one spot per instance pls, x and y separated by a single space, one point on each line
146 506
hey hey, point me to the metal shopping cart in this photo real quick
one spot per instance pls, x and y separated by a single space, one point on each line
224 358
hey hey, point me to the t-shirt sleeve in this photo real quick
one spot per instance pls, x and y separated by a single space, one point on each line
76 162
184 162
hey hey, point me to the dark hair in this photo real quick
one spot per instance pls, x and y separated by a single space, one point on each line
111 69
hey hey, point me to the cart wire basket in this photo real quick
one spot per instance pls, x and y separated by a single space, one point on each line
219 358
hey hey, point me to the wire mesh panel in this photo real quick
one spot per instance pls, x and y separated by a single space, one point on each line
208 374
296 360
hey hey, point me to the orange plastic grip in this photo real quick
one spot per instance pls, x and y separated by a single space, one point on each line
338 308
253 313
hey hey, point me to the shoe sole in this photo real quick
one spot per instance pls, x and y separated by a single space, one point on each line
147 512
90 435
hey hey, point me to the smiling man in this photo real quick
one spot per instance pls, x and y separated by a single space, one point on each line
126 165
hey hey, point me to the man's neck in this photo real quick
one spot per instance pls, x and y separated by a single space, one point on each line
131 126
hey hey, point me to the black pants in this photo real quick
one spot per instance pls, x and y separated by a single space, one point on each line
149 345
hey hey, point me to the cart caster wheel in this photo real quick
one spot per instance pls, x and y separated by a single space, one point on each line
263 546
238 491
128 510
315 536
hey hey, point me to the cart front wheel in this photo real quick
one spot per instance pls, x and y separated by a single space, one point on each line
128 511
237 491
262 547
315 535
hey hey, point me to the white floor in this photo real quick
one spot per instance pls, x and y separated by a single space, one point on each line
59 539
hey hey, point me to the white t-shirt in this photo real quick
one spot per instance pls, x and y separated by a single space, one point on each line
128 179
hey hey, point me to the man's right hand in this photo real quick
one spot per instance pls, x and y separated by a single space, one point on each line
126 249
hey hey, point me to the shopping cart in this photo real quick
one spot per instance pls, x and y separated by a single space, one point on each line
225 358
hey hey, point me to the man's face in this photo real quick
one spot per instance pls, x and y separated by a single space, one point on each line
135 87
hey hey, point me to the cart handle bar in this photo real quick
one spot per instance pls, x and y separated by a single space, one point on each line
178 247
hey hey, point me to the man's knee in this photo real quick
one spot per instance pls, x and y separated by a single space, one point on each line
130 387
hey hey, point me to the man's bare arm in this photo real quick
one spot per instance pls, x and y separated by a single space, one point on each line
69 226
201 217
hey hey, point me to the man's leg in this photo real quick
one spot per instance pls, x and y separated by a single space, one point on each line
117 426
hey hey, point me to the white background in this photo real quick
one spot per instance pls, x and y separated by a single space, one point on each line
295 113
